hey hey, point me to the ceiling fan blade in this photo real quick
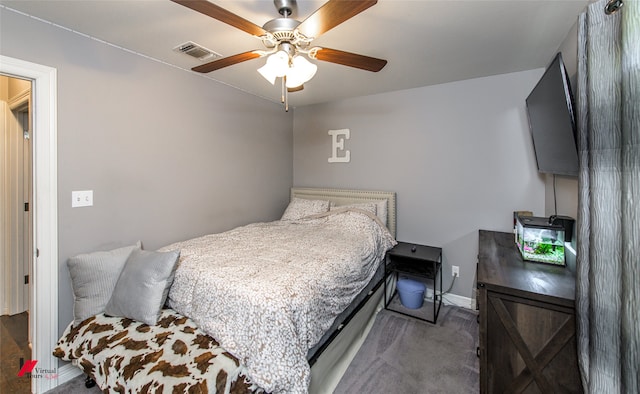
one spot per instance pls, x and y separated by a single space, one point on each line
219 13
296 89
331 14
226 61
350 59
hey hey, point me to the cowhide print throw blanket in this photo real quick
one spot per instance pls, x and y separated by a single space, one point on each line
174 356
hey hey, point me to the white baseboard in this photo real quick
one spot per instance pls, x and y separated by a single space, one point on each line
67 372
458 300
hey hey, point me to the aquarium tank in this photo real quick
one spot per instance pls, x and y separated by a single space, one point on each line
540 241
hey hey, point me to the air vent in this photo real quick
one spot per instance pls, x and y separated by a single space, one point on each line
197 51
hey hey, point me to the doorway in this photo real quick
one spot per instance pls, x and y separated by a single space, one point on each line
16 232
43 290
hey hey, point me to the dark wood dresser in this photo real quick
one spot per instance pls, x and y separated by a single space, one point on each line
527 321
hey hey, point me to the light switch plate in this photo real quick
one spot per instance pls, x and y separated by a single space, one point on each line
82 198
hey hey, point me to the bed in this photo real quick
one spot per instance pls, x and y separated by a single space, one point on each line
274 311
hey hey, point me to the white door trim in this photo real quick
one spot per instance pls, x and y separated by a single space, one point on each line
4 265
44 290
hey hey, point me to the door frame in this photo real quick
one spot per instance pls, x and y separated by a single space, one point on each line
43 316
19 301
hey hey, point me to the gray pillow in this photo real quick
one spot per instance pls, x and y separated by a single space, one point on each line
93 278
143 286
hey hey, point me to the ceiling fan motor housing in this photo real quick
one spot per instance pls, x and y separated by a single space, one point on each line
281 25
282 30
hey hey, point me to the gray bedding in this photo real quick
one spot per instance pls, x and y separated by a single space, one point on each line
339 320
268 292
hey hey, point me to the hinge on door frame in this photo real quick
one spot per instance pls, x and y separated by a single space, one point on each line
26 279
26 207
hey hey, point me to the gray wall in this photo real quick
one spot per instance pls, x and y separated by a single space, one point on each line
169 154
459 156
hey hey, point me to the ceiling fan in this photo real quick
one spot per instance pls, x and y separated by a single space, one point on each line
286 40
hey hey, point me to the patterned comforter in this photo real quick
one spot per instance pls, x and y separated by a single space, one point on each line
268 291
174 356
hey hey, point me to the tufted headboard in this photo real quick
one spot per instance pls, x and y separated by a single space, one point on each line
344 196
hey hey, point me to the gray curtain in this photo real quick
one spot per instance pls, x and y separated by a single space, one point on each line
608 260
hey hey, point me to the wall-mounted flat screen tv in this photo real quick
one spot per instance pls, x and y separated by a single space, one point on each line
552 121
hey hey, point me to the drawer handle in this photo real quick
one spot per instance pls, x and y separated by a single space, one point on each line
478 351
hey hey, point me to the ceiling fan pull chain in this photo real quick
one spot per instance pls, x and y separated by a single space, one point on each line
285 92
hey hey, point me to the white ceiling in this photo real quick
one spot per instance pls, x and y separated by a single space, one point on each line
426 42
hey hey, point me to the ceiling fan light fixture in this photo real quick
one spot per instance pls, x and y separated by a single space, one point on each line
300 71
268 74
275 67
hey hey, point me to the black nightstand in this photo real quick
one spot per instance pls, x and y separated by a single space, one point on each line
419 262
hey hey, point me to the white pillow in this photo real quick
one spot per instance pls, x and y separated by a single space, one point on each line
93 278
300 207
382 210
365 206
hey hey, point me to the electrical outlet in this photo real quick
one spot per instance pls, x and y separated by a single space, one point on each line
83 198
455 270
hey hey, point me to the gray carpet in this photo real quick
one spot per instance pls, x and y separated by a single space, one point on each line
74 386
400 355
406 355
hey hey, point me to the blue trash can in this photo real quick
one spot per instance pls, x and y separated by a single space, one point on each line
411 292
